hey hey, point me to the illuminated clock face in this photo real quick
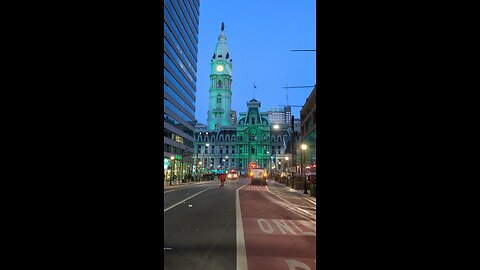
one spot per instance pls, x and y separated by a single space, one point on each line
219 68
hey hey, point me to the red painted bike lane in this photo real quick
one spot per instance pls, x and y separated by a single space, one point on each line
275 237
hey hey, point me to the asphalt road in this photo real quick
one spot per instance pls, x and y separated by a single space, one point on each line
206 227
202 236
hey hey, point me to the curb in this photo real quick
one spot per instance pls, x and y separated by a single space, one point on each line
168 187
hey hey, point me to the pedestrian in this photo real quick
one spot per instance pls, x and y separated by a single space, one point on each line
222 179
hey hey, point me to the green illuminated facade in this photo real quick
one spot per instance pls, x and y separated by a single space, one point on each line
223 143
220 93
253 133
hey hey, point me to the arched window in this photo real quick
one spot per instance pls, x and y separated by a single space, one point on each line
227 138
219 99
221 137
219 84
233 138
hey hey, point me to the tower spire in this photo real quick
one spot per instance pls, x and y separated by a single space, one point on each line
220 92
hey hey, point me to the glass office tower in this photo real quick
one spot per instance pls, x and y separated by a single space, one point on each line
180 39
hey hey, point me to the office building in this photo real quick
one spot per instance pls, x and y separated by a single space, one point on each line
308 127
181 21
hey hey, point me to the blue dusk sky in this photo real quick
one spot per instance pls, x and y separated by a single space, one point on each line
260 35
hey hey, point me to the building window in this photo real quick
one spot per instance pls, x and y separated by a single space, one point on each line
219 84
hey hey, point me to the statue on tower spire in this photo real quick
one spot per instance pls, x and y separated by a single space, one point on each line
223 26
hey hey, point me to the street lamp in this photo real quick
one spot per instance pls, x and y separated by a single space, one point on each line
172 158
269 158
304 148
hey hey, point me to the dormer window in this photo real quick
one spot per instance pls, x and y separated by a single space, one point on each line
219 56
219 84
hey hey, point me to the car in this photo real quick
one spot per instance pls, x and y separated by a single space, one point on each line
232 175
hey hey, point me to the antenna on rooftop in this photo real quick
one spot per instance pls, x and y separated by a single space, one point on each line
287 90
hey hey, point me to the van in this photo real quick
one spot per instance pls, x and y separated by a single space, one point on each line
258 176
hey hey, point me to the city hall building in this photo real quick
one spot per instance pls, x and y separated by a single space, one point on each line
225 143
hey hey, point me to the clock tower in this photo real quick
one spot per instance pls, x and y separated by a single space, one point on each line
220 93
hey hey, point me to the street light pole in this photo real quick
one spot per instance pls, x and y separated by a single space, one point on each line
172 168
268 163
304 148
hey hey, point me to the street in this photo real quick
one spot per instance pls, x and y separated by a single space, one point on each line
238 227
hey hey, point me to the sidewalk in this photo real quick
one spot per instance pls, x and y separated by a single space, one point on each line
307 196
175 184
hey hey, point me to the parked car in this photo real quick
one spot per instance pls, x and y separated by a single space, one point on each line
232 175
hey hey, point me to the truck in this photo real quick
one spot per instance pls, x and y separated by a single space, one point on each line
258 176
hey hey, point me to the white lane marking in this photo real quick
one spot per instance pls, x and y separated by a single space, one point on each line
165 210
290 206
241 252
293 190
310 200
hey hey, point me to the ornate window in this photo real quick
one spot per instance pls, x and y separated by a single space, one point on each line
219 84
